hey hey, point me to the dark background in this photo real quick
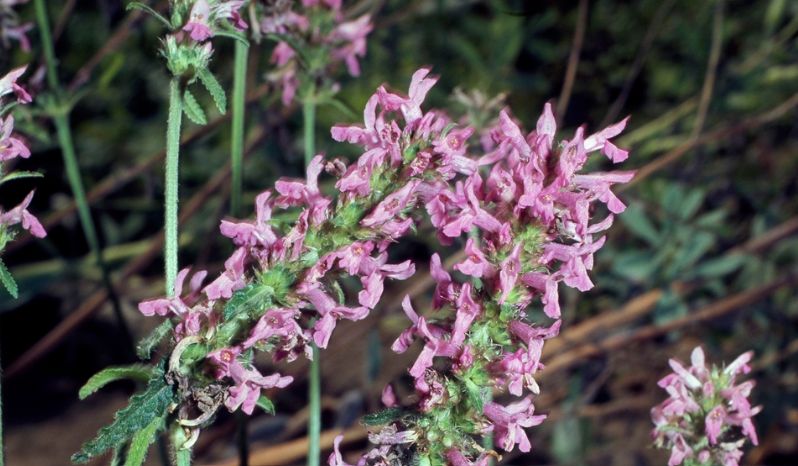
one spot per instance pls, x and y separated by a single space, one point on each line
706 253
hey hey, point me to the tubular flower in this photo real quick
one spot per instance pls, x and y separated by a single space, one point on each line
529 230
11 147
707 416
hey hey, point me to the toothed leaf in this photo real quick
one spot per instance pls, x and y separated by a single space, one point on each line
142 409
8 281
145 346
214 89
141 443
193 110
137 372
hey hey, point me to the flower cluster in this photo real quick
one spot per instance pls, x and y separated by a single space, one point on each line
280 289
11 147
193 23
530 229
10 27
707 416
310 42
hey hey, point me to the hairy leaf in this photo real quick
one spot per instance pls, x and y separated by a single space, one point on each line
141 443
145 346
137 372
214 89
8 281
140 412
383 417
193 110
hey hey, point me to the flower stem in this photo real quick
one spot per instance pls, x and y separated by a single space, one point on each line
2 452
309 112
314 389
237 145
60 117
314 421
171 182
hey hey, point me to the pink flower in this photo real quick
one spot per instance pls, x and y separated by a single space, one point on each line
248 386
20 215
177 304
510 421
8 84
336 459
231 280
254 233
198 25
10 146
278 322
330 312
475 263
600 141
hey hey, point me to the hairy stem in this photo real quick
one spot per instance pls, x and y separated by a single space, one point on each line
314 395
237 144
171 181
309 113
2 451
65 141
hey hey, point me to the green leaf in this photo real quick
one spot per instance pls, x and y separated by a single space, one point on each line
137 372
250 297
266 404
214 89
193 110
8 281
143 408
20 175
638 224
145 346
150 10
383 417
141 443
715 268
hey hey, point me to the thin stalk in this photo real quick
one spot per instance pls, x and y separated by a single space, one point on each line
309 112
2 451
171 182
237 144
65 141
314 420
314 389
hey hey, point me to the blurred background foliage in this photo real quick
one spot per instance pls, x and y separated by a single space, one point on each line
706 252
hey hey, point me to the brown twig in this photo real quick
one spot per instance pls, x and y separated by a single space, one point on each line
713 311
289 452
63 19
95 301
640 59
573 60
712 69
721 132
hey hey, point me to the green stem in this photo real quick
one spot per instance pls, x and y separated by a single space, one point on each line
2 452
171 182
309 112
65 141
314 395
314 421
237 145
